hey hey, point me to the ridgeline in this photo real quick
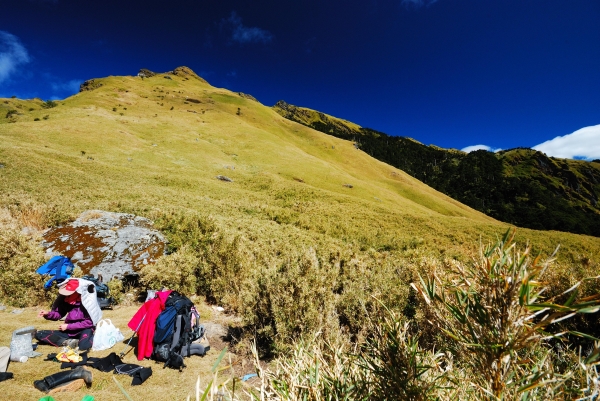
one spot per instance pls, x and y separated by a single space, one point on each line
521 186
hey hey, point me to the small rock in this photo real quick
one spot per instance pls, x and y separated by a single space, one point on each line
17 311
348 185
1 165
224 178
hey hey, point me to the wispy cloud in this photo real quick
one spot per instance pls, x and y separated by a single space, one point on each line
581 144
418 3
69 87
12 54
244 34
473 148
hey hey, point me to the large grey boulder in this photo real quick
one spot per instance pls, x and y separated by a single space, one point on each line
107 243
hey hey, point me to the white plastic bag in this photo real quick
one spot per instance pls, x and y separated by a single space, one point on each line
106 336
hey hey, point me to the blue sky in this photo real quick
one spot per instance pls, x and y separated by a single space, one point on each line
455 73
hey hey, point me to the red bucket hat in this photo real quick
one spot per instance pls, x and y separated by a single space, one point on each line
70 287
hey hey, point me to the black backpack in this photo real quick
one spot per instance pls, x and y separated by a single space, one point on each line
102 292
177 326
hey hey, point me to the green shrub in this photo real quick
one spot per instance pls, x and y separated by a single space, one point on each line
497 320
392 366
177 271
20 257
48 104
116 289
313 370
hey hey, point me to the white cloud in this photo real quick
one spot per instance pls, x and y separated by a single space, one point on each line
70 87
581 144
243 34
418 3
473 148
12 54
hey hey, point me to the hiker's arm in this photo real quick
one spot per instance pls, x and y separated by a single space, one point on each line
54 314
57 312
80 325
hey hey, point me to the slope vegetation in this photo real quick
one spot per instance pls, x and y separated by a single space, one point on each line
519 186
289 227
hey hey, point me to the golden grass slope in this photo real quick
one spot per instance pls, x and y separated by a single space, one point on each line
159 143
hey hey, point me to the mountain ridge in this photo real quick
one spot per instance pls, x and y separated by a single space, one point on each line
520 186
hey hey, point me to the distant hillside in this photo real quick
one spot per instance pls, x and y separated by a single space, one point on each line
518 186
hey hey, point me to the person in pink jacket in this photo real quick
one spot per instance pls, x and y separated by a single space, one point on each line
78 304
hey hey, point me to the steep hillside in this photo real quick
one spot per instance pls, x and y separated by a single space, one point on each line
292 229
161 141
519 186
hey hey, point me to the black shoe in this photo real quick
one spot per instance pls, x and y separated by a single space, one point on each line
5 376
59 378
41 385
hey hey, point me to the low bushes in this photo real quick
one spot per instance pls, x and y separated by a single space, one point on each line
499 340
20 285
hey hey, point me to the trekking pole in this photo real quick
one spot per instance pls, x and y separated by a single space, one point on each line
122 354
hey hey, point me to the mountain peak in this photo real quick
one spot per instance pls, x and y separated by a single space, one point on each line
187 72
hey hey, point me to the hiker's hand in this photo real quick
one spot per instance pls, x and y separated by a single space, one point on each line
63 327
42 313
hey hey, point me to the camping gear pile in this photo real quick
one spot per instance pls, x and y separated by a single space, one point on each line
168 329
167 326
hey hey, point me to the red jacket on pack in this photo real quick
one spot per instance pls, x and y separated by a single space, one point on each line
145 319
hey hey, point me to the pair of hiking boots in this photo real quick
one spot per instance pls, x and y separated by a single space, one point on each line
65 380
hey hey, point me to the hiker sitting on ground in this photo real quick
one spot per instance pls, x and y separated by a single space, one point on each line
76 302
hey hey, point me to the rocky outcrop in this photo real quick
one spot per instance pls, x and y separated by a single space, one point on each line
89 85
247 96
144 73
186 72
107 243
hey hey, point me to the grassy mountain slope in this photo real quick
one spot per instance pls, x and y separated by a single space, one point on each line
307 230
519 186
122 142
